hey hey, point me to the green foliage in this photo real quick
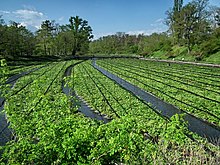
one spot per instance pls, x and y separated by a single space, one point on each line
122 43
4 71
120 141
45 37
171 84
212 45
51 39
15 41
189 24
49 130
178 52
214 58
175 130
82 34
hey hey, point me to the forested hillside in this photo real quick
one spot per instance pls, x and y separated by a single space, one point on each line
194 35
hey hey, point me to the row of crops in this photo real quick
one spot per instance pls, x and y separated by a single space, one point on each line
48 129
195 90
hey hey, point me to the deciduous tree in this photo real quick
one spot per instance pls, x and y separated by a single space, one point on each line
45 36
82 34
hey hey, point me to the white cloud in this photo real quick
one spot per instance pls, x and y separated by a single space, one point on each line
137 32
29 7
97 36
157 26
24 24
158 23
31 18
160 20
4 12
61 19
146 32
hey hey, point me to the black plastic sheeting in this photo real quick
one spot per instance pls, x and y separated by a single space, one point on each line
196 125
78 101
6 133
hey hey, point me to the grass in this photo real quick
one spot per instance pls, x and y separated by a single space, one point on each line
159 55
180 53
214 58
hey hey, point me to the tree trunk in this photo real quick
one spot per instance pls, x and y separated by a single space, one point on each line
45 49
189 45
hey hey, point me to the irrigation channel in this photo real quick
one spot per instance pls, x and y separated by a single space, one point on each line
77 100
196 125
6 133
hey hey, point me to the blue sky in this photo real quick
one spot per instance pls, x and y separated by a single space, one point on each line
104 16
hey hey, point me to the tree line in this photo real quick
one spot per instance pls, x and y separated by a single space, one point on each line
122 43
51 39
194 28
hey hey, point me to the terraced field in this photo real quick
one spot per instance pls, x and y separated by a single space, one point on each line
85 117
193 89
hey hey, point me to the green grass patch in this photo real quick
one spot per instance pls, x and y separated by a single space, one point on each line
159 55
214 58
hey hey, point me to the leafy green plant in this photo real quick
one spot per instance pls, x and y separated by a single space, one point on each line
175 131
4 71
194 90
49 130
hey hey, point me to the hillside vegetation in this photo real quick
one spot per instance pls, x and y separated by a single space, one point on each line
193 35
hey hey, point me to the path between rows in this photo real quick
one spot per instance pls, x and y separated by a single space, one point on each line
196 125
6 133
77 100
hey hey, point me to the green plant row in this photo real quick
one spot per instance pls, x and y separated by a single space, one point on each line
211 73
48 130
176 81
26 80
207 75
173 71
177 75
91 85
3 78
21 107
188 98
18 69
108 97
29 110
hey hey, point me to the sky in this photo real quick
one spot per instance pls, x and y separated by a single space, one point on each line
106 17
